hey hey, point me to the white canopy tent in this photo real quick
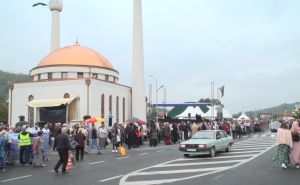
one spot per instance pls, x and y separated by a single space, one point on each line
243 117
226 113
193 111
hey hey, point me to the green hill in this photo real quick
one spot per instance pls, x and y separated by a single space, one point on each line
5 78
288 107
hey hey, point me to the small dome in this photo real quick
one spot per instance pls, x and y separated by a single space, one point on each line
75 56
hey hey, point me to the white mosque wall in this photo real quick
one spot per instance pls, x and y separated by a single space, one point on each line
98 88
75 88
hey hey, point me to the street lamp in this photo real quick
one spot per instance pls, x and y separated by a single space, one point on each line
156 91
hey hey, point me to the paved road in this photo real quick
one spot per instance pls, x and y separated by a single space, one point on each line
248 163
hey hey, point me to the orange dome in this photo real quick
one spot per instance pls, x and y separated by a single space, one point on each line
75 56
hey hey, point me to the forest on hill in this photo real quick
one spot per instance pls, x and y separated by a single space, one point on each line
5 79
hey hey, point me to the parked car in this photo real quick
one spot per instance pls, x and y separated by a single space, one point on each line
206 142
274 125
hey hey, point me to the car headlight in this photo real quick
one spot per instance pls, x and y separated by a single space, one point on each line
182 146
202 146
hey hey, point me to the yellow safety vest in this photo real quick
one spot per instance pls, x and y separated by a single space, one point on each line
24 140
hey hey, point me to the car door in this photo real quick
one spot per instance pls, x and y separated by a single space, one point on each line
225 140
219 141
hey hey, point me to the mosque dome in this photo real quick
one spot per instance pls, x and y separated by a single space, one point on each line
74 62
75 55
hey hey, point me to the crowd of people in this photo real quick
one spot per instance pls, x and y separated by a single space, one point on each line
26 145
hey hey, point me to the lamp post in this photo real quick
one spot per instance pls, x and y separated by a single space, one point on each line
156 91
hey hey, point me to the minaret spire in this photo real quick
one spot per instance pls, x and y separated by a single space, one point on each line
56 7
138 81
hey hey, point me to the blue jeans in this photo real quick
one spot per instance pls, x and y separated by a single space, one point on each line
2 162
93 142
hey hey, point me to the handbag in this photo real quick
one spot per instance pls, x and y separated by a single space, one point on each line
295 137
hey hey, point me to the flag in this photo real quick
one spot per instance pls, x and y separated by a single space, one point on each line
222 90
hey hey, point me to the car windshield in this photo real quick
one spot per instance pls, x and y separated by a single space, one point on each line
204 135
275 124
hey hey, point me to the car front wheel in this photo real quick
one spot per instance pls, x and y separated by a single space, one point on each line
187 155
228 149
212 152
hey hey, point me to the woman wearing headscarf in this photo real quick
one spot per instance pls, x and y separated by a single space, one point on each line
114 139
153 135
80 139
285 143
295 152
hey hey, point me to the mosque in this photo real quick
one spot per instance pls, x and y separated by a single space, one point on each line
74 81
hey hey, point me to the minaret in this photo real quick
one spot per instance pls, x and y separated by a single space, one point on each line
56 7
138 81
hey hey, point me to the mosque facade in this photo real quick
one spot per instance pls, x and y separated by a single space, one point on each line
75 81
68 84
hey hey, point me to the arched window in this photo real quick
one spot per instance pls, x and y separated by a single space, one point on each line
123 109
30 112
66 95
110 105
117 109
102 105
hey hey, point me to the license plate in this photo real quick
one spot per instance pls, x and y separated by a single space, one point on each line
191 150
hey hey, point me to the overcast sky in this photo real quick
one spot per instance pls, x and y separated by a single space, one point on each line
252 47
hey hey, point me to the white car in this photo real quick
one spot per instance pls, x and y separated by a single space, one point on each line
206 142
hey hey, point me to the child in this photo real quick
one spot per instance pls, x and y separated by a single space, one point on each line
37 150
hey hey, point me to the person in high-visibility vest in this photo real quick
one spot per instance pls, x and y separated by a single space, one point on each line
24 144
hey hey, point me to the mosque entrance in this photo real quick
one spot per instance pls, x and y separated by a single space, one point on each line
55 110
53 114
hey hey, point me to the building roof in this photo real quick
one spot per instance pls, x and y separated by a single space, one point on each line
75 55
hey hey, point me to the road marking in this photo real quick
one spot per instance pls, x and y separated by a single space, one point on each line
257 142
217 157
97 162
217 177
123 180
239 164
143 153
160 150
16 178
200 163
273 135
111 178
243 152
179 171
246 144
253 146
123 157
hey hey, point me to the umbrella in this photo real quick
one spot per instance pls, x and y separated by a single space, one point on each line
136 120
133 119
93 120
141 122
